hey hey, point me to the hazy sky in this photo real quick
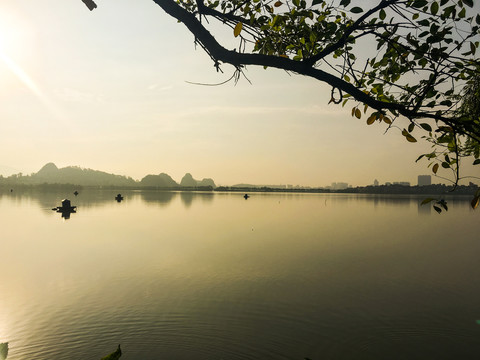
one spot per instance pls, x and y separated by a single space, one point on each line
108 90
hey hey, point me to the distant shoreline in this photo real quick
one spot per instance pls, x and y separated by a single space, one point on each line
379 190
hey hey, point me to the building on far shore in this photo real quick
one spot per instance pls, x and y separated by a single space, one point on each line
402 183
339 186
424 180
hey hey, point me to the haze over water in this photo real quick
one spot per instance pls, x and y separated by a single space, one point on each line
173 275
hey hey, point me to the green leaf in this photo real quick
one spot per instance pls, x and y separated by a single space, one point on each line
434 8
383 14
421 156
409 137
469 3
115 355
356 10
426 201
358 113
411 126
345 3
477 19
419 3
476 162
435 168
424 22
443 204
237 29
437 209
426 127
371 119
475 202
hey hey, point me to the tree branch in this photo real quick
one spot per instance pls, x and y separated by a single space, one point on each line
219 53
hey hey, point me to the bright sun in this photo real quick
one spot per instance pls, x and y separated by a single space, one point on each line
16 47
15 44
14 35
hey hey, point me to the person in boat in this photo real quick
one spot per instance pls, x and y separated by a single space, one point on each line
66 207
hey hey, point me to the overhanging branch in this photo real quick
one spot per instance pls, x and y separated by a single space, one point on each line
220 53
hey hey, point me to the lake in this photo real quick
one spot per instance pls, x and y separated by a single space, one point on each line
183 275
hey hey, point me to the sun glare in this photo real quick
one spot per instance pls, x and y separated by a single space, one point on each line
15 34
15 41
16 48
20 73
27 81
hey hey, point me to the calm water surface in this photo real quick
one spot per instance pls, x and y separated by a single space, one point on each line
213 276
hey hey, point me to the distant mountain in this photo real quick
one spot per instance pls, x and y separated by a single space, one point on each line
51 174
207 182
189 181
161 180
48 170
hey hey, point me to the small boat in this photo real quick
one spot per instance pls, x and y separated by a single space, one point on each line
75 193
246 196
66 207
119 197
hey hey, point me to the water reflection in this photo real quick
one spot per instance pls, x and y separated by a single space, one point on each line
170 276
425 209
48 198
381 201
187 198
161 198
66 213
89 198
